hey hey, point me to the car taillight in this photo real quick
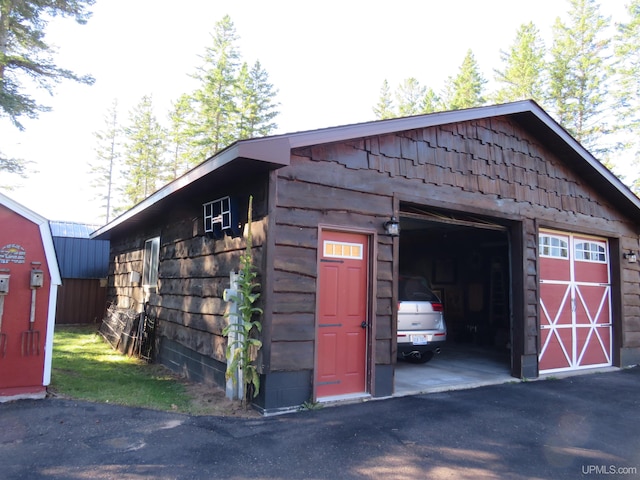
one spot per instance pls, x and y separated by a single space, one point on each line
437 307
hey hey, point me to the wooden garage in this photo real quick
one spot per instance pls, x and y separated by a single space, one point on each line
532 241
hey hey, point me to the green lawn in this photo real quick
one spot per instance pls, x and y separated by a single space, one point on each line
86 367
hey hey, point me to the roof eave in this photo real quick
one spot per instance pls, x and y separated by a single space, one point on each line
270 150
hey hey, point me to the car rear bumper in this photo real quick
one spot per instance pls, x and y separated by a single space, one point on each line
425 341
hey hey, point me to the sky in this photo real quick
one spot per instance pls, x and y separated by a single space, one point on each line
327 60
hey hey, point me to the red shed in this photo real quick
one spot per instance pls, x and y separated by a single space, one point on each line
29 279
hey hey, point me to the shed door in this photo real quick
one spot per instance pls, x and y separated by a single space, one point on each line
342 314
575 302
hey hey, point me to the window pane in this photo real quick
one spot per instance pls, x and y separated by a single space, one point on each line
551 246
590 252
343 250
150 262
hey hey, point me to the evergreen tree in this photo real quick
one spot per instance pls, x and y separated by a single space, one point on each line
626 93
24 52
431 102
523 65
410 96
145 146
578 75
214 101
255 102
232 102
103 169
384 107
182 121
465 90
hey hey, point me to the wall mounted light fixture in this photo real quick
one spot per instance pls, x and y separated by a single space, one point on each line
392 227
631 256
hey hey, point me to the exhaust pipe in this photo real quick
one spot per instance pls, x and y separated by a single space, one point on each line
415 354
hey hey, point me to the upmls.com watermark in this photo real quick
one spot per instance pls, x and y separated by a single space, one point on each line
608 470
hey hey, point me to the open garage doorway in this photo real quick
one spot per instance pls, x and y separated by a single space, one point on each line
465 260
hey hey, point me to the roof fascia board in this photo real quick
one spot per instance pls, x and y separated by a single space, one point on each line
383 127
50 253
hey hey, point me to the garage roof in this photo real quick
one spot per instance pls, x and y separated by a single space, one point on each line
268 153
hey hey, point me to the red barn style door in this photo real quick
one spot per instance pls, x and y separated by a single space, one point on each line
575 302
342 314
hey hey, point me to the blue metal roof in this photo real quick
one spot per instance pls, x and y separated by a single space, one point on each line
72 229
78 255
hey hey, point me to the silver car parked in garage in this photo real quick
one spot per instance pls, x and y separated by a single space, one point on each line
421 326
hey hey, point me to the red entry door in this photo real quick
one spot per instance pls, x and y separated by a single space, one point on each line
342 314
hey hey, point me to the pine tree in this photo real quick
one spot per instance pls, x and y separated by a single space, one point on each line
24 52
410 96
232 101
213 101
145 146
103 169
182 158
626 91
431 102
465 90
578 73
384 107
255 102
523 65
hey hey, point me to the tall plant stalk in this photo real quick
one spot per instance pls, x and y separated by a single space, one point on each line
242 331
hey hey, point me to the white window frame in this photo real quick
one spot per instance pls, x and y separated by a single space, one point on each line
561 247
596 249
151 261
217 211
347 245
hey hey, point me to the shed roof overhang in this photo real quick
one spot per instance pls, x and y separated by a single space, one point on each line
268 153
241 158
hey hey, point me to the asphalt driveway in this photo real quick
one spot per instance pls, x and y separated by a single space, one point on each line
586 426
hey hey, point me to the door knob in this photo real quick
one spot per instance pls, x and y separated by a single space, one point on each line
363 324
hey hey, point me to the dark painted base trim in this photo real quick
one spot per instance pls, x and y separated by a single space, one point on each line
629 357
191 364
529 366
384 381
282 392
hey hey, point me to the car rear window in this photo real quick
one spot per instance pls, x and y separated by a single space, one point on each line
415 289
